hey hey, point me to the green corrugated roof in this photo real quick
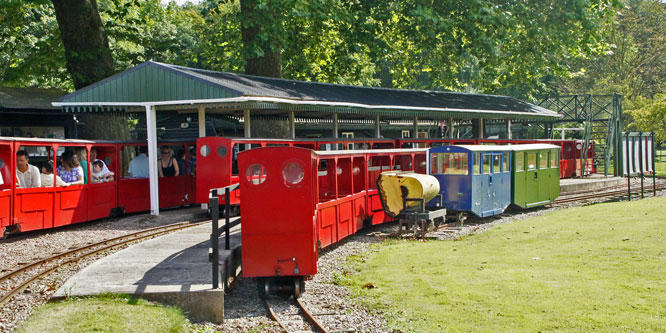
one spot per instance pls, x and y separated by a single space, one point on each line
29 98
157 82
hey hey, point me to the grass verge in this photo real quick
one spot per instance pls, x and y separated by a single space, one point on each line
661 168
105 313
599 267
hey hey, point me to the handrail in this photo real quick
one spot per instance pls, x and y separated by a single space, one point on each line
214 203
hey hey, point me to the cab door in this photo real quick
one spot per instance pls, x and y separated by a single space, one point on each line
5 185
543 175
531 178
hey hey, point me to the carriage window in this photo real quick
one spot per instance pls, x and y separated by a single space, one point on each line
531 161
256 174
497 161
486 164
205 150
477 163
449 163
543 160
222 151
505 162
520 161
554 158
293 174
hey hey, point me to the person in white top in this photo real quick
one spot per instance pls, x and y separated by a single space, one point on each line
28 175
138 167
93 158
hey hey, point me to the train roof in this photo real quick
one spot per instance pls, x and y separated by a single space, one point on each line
477 147
45 140
371 151
533 146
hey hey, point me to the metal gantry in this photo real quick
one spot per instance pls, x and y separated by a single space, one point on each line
601 120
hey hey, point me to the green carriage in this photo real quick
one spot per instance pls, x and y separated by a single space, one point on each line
535 175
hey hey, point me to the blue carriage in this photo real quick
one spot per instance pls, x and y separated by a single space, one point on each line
474 179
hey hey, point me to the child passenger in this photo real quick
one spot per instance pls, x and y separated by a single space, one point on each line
98 175
47 176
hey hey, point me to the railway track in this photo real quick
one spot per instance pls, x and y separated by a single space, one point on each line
302 310
609 192
21 277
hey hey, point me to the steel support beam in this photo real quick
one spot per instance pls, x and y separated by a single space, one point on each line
378 133
202 121
335 125
292 125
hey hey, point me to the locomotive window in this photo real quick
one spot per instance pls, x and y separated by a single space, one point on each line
554 158
256 174
497 161
486 164
222 151
477 163
531 161
205 150
293 174
520 161
449 163
2 163
543 160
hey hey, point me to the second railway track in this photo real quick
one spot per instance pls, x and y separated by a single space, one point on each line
302 310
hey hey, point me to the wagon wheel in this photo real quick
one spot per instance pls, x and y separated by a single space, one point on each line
460 217
299 286
5 233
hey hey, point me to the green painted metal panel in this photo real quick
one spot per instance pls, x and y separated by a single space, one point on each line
148 83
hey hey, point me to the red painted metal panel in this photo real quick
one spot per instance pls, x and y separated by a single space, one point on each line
326 219
345 218
102 199
174 191
134 194
33 208
279 227
71 205
214 170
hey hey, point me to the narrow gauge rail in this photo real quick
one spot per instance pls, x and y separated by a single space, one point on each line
77 254
302 309
604 193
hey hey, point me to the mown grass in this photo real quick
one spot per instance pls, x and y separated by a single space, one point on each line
105 313
660 167
599 267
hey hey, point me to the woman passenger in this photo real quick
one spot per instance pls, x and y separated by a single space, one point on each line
70 171
168 164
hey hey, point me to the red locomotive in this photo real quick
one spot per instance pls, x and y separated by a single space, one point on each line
309 201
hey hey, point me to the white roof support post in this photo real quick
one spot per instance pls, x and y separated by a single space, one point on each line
151 128
378 132
482 128
451 128
508 129
292 125
202 121
335 125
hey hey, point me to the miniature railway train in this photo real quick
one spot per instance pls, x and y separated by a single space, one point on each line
313 199
25 209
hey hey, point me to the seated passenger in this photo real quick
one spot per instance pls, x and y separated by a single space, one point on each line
138 167
70 171
93 158
98 175
180 157
168 164
47 176
27 175
82 157
192 162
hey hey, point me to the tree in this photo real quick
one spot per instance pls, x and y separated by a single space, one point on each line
86 46
262 30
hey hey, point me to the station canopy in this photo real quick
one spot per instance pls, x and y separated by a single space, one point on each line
183 89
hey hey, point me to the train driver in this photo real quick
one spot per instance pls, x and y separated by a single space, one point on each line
27 174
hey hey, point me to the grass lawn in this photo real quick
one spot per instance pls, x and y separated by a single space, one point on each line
661 168
599 267
106 313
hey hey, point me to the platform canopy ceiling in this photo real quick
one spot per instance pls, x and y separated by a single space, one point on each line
171 87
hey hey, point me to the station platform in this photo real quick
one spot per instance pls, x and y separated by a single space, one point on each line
591 183
172 269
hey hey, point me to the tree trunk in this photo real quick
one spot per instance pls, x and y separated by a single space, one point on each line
262 55
86 46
